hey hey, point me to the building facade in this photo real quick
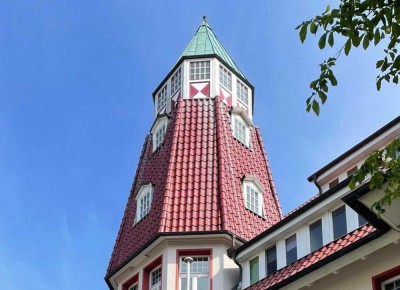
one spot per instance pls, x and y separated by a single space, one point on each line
203 212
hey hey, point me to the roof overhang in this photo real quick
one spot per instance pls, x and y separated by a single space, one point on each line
362 199
373 142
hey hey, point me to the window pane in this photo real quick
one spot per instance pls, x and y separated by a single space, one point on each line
252 200
291 250
361 220
315 235
254 277
339 222
270 257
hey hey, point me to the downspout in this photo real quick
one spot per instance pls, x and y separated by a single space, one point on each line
314 179
232 255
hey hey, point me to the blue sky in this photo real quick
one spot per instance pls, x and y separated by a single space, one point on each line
76 79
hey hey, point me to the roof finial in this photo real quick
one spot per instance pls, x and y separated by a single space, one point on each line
204 20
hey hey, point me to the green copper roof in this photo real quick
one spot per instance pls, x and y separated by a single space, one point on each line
205 42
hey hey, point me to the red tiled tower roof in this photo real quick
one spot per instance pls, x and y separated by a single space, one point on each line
197 176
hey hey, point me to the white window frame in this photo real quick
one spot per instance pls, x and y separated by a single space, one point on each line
195 70
241 90
162 98
389 281
225 78
176 81
144 191
253 183
238 115
134 285
156 286
160 124
194 274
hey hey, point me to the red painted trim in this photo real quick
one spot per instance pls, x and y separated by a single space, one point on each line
192 252
146 272
377 280
130 282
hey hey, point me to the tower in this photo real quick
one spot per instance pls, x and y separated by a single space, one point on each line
203 182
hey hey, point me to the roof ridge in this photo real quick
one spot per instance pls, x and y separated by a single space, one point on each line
268 169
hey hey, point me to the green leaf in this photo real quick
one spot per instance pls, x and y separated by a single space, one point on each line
303 32
324 87
378 84
313 28
322 96
347 47
377 37
330 39
396 63
396 79
328 8
356 40
315 107
379 63
365 41
332 78
322 41
313 84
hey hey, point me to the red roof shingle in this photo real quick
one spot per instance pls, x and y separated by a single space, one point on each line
312 258
197 175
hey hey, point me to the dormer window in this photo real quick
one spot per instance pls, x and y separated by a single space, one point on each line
253 195
162 98
242 93
200 70
241 126
143 201
225 78
176 82
158 131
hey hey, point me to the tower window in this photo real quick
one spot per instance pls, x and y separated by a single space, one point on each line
155 279
252 199
239 131
199 273
162 98
252 194
143 202
225 78
160 133
200 70
176 81
134 287
242 93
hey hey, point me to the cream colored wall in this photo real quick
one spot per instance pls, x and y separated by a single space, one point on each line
357 275
225 273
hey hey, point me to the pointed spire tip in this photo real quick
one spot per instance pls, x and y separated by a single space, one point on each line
204 22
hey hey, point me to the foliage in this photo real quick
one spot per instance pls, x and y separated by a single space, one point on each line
383 166
356 22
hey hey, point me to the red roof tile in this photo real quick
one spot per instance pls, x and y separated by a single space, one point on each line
312 258
197 174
